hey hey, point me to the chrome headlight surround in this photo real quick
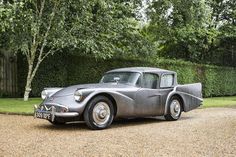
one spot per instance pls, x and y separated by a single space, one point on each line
44 94
78 95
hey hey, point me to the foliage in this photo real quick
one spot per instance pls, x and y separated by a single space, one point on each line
39 28
71 69
195 30
220 81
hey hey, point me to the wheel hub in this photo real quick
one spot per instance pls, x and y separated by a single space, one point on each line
175 109
101 113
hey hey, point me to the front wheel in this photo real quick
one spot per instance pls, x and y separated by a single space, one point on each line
174 109
99 113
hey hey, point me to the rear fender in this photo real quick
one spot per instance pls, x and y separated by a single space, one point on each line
191 95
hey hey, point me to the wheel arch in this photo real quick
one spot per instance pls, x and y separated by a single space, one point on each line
110 97
180 98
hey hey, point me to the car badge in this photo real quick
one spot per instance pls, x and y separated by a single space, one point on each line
47 108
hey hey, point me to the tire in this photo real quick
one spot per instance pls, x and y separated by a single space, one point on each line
174 109
99 113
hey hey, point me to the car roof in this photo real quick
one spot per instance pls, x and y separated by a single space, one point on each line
141 69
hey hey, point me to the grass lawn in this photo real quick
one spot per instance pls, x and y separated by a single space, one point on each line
220 101
17 105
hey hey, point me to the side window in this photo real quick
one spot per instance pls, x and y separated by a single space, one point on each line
167 80
150 80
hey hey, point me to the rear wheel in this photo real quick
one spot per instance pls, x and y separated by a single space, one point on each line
174 109
99 113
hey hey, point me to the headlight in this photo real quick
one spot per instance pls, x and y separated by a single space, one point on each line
44 94
78 95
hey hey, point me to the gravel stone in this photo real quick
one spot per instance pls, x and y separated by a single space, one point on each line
202 132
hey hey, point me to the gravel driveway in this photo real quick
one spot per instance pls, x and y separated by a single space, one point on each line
202 132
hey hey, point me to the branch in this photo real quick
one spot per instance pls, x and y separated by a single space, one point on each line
36 7
34 43
39 20
41 9
44 43
47 33
27 53
51 51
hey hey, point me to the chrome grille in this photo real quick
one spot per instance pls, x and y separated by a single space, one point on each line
47 107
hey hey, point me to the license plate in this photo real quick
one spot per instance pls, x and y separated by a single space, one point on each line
43 115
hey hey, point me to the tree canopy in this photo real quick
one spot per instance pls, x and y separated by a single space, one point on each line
196 30
39 28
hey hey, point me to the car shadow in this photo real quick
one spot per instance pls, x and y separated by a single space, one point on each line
68 126
136 121
118 123
142 121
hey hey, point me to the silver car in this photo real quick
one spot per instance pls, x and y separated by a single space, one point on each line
121 93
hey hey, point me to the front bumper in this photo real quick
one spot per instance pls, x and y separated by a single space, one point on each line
50 115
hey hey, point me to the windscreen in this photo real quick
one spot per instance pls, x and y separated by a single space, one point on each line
130 78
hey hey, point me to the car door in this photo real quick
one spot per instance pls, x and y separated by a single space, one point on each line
148 97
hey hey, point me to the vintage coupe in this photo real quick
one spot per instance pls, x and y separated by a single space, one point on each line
121 93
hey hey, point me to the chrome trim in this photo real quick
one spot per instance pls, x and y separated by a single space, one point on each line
55 104
66 114
56 114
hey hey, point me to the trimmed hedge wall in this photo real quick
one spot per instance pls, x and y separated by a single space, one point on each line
63 70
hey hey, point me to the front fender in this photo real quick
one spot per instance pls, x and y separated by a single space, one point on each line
125 105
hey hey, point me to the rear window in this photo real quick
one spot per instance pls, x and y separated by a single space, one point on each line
167 80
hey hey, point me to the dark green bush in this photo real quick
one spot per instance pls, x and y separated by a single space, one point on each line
63 70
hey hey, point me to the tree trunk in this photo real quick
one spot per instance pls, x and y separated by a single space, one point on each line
27 90
29 80
31 73
28 83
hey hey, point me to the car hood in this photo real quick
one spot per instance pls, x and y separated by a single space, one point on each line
99 86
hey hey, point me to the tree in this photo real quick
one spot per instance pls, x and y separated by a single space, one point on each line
40 28
224 19
181 27
195 30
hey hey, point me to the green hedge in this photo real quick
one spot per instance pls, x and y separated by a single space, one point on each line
63 70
